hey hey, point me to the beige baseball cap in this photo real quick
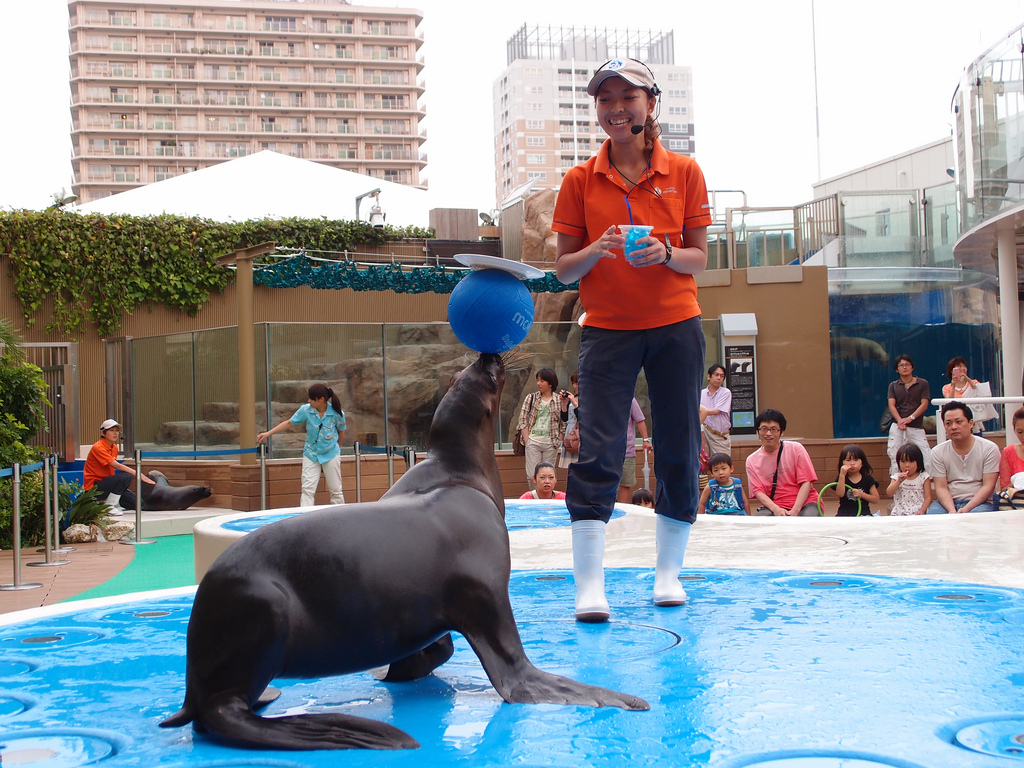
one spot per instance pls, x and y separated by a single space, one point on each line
108 424
630 70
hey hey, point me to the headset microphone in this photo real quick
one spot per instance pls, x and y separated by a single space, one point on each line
636 130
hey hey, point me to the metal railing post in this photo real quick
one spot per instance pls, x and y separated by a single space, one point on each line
138 504
263 476
16 537
48 560
56 515
390 453
359 472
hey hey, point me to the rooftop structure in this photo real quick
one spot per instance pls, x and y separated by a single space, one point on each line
160 88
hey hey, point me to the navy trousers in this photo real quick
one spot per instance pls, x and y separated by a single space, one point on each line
672 357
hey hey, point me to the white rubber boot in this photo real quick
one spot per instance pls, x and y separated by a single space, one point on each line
671 537
588 570
113 505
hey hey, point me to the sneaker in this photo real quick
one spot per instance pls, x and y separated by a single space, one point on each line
115 511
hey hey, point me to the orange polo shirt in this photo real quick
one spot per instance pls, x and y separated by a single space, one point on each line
97 463
671 196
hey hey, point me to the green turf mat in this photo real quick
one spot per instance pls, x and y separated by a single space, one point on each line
166 563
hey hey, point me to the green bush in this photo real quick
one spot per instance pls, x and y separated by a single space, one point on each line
33 522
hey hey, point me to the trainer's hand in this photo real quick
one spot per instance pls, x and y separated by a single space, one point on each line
603 246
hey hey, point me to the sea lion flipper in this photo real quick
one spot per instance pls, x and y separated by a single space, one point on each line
421 663
234 723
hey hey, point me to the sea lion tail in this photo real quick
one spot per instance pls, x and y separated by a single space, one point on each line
235 723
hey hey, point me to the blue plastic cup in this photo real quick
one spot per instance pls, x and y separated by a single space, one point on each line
634 232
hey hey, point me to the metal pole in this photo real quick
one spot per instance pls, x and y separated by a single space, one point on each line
390 453
16 537
359 473
56 514
263 476
48 550
138 504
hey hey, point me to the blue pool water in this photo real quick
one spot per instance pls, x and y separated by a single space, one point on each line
518 515
768 669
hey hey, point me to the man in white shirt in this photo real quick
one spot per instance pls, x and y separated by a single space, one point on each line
965 468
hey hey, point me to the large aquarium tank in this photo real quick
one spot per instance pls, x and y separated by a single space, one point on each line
868 331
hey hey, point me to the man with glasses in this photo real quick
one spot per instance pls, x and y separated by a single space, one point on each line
908 400
780 475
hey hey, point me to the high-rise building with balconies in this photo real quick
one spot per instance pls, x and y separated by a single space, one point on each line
544 121
160 88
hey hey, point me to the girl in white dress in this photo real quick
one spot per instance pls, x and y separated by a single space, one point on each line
911 487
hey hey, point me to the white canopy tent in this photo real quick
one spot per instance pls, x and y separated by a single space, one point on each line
269 184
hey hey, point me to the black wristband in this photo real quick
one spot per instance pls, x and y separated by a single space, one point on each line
668 254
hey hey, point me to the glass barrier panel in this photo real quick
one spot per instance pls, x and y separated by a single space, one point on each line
346 357
163 370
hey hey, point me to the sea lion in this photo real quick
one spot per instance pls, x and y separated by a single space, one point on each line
360 586
164 497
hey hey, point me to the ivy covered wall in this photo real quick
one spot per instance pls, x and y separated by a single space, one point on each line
98 268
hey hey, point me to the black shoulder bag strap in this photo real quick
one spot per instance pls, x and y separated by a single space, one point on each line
775 480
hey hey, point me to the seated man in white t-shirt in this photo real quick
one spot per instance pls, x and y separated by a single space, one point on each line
965 468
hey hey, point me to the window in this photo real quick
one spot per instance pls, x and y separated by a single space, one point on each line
676 77
234 22
535 141
677 128
99 173
676 94
124 44
344 75
124 147
535 125
161 172
166 148
270 99
159 20
346 125
99 147
122 69
535 159
676 111
187 96
161 123
678 145
269 73
269 49
385 76
537 175
294 99
399 127
161 71
344 51
122 18
399 52
270 125
297 150
296 74
533 71
534 106
391 152
535 90
279 24
379 27
161 96
123 120
238 98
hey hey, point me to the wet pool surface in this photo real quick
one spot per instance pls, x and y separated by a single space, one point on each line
518 515
772 669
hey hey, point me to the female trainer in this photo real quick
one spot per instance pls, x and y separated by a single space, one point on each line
641 313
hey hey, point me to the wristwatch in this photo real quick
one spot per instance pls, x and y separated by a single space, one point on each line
668 252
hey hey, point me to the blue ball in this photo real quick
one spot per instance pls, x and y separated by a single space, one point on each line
490 311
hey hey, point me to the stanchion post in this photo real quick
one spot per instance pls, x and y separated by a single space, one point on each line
359 472
263 476
138 504
16 537
56 514
48 560
391 465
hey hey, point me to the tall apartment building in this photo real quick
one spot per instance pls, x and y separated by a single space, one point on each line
160 88
544 121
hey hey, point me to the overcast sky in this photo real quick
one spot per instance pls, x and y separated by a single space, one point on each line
886 73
